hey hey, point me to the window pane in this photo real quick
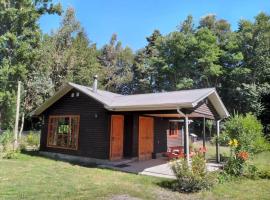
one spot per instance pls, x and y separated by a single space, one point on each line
63 131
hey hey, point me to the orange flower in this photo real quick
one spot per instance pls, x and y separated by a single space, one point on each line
243 155
202 150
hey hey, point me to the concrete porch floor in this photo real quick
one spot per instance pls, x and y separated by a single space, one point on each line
159 167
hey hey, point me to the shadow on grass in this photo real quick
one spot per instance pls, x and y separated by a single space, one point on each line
35 153
168 184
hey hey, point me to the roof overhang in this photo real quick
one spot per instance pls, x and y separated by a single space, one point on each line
63 90
218 105
149 107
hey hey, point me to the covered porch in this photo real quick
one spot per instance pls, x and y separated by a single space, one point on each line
147 126
151 134
190 129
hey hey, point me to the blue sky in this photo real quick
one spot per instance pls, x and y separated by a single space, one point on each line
134 20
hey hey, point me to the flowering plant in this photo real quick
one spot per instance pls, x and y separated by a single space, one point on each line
233 143
237 161
243 155
202 150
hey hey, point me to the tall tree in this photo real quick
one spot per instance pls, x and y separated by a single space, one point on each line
68 54
117 63
19 43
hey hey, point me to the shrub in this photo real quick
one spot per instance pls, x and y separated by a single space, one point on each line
6 139
6 145
193 178
248 131
31 141
11 154
264 174
234 166
251 171
222 140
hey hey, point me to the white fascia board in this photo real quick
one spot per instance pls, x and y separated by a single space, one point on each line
227 114
195 103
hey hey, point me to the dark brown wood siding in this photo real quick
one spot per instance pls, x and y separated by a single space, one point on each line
135 139
93 134
204 109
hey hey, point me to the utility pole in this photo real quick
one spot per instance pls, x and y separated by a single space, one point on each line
17 116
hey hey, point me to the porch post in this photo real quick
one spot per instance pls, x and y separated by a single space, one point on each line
204 135
186 148
217 142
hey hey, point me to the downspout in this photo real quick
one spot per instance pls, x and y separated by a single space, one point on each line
186 133
217 141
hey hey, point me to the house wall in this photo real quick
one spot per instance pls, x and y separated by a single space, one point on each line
93 133
161 125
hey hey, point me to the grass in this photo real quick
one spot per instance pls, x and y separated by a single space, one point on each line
33 177
211 150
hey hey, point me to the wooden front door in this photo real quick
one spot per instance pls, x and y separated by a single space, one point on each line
116 141
146 137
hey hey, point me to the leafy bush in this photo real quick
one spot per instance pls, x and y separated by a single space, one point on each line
193 178
264 174
31 140
251 171
234 166
248 131
222 140
11 154
6 145
6 138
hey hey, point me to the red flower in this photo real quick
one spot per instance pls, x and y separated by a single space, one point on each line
202 150
243 155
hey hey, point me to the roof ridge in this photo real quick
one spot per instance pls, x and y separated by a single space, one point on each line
91 89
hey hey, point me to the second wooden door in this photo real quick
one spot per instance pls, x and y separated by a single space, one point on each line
146 137
117 132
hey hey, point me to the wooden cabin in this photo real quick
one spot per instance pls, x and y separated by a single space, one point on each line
87 122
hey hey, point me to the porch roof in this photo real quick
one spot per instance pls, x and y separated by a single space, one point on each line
143 102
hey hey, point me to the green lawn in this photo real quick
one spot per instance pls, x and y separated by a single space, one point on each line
32 177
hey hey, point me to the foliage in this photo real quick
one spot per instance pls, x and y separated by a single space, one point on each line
20 38
33 139
224 177
264 174
6 145
116 63
193 178
223 139
248 131
6 138
235 166
30 141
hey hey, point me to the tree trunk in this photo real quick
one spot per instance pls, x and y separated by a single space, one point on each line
22 124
